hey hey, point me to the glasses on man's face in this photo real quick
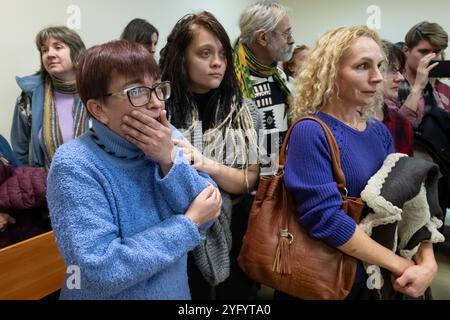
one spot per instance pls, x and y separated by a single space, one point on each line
139 96
286 34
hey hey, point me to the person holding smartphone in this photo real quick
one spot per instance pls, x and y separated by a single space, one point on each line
424 43
441 87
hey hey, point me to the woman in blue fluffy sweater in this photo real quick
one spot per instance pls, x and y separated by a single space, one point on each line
125 205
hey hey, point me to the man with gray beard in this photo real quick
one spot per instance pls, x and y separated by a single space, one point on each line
266 38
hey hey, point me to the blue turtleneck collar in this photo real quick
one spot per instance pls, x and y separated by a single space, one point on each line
113 143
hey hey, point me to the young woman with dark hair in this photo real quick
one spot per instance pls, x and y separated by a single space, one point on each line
208 103
143 32
398 125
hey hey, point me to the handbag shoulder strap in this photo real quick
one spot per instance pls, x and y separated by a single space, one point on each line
338 174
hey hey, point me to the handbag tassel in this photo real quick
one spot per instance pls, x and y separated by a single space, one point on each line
281 263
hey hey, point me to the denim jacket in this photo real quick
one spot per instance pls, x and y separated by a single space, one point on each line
27 121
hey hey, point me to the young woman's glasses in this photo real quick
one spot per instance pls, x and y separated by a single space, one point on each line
393 70
139 96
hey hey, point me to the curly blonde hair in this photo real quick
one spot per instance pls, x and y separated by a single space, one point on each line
316 83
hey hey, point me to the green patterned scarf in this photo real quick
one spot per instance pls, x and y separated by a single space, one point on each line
246 62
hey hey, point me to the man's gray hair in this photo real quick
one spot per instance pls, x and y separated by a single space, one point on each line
260 16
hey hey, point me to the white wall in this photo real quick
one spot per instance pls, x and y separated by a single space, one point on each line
311 18
101 21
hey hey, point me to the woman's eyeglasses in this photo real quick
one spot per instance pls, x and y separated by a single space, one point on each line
394 70
139 96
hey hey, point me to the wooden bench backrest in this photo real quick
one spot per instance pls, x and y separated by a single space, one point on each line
31 269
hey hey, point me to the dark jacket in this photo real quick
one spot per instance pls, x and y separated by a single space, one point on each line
21 187
22 195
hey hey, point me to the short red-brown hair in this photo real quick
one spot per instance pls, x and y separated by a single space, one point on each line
121 57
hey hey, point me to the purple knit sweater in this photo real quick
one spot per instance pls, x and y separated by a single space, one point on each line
309 176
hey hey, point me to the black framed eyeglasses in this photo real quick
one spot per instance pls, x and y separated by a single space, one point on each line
139 96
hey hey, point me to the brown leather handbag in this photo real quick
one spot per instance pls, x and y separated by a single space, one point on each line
278 252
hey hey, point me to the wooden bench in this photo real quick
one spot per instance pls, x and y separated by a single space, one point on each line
31 269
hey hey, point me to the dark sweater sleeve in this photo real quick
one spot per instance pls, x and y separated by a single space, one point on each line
309 178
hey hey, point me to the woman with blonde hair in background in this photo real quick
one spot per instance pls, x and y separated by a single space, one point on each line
339 84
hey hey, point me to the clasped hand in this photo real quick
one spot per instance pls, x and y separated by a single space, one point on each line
415 280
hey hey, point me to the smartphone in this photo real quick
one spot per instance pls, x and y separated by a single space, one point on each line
442 70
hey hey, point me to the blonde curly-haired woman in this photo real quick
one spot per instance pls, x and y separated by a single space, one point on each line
340 84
